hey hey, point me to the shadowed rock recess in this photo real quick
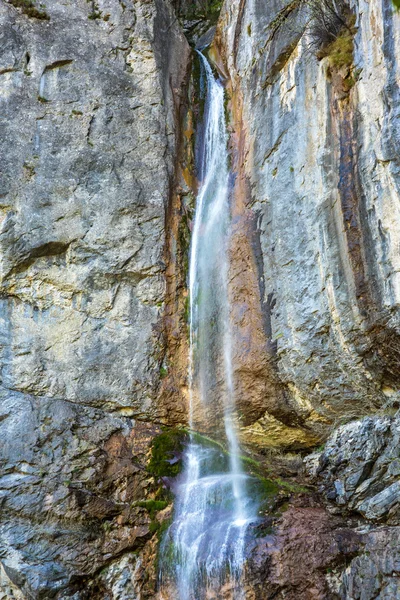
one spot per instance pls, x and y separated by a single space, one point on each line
101 103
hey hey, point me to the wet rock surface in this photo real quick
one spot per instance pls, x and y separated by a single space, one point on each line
303 556
313 555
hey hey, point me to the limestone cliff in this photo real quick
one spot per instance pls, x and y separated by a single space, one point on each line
97 184
318 176
314 139
90 97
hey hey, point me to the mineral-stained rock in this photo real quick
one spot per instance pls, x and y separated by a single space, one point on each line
376 572
322 174
310 554
89 138
317 171
299 559
92 277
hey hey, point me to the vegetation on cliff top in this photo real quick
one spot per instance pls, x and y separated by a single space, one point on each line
331 31
199 9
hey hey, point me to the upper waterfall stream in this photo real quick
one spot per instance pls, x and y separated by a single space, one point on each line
203 549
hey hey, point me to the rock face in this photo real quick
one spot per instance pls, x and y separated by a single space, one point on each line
358 472
96 187
340 542
360 466
318 153
314 142
304 558
90 97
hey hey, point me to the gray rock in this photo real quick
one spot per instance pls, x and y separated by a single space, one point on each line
327 254
374 574
89 127
358 468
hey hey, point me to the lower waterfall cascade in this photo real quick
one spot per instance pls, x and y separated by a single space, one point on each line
204 547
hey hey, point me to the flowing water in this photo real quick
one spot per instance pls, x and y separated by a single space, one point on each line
203 549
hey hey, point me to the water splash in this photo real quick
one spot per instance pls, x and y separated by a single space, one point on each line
205 544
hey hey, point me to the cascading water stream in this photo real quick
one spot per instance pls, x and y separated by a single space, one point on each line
204 546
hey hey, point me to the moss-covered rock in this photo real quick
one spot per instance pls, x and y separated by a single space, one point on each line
30 9
166 453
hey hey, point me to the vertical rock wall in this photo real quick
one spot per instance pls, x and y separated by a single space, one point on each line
317 172
90 98
322 171
95 205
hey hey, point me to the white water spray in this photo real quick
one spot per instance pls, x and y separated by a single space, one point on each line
212 509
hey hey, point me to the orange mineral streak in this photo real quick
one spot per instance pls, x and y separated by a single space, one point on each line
260 395
256 387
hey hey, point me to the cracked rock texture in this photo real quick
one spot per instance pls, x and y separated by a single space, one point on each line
358 473
360 467
321 171
96 186
341 542
316 157
89 135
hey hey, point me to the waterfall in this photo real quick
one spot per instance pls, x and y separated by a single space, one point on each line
204 546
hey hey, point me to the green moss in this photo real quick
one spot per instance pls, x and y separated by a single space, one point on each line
30 169
199 93
154 526
208 10
249 29
77 113
227 112
152 506
163 527
166 550
283 15
29 8
340 51
96 13
186 314
291 486
184 243
270 490
204 440
214 8
340 54
164 451
264 529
